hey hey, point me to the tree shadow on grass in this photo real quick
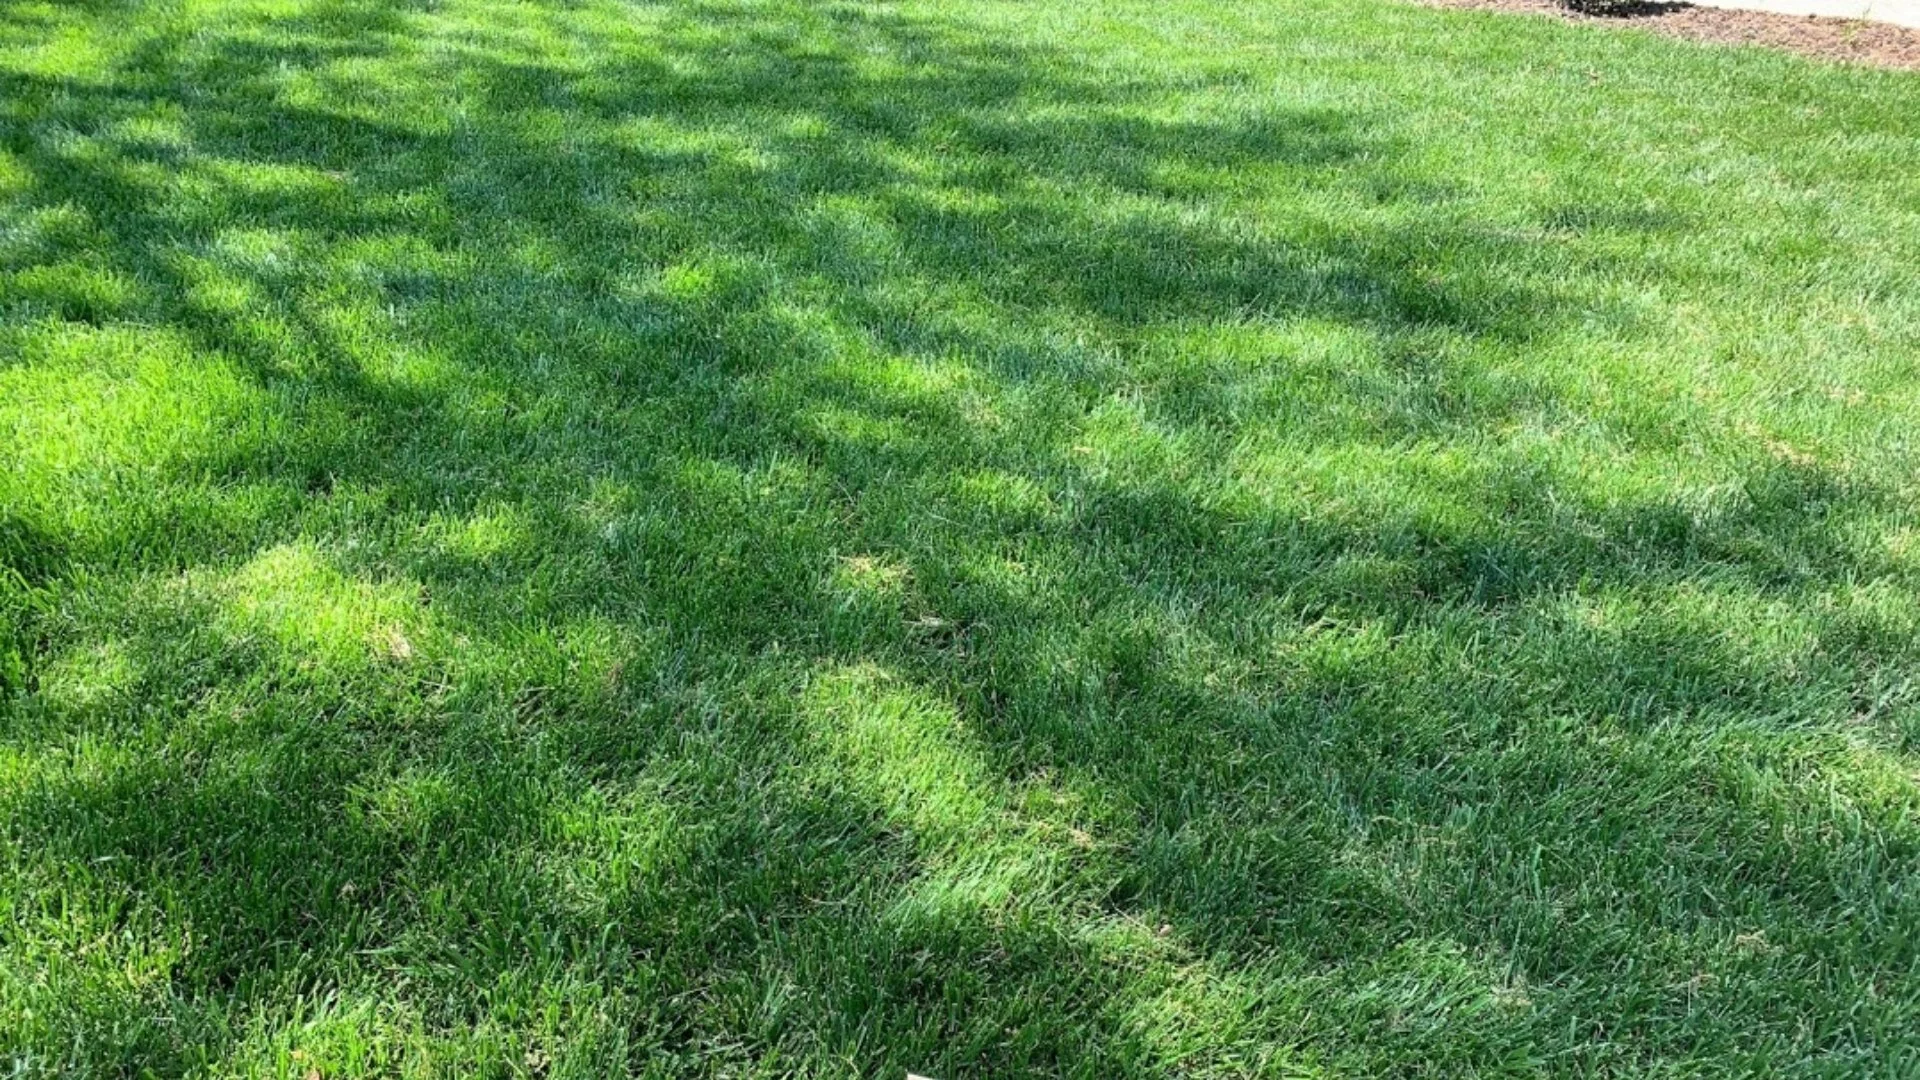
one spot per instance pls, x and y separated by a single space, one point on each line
713 568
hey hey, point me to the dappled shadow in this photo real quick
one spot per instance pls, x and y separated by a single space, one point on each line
749 537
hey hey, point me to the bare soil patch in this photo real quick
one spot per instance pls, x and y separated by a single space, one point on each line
1848 40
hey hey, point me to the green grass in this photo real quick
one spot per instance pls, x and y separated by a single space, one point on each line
1177 538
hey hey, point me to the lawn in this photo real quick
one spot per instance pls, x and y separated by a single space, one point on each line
572 538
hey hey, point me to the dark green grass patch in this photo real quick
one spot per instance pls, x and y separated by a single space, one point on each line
823 539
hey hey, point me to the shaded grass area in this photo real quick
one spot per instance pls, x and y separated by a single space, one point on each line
576 539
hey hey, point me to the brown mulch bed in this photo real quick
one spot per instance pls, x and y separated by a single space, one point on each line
1849 40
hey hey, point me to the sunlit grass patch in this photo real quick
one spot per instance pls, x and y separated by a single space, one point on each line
91 411
295 600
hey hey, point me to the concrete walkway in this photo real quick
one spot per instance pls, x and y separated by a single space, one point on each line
1898 12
